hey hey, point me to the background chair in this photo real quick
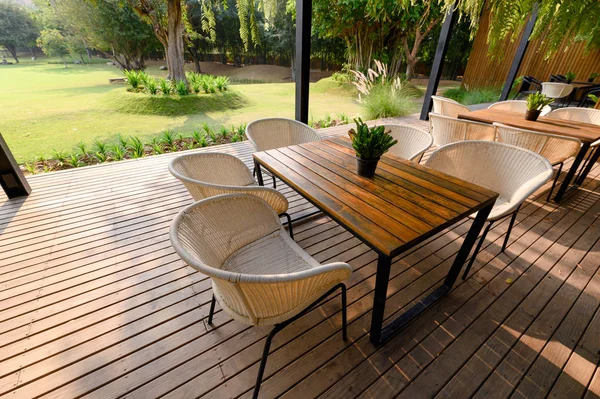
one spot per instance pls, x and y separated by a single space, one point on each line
209 174
412 142
267 134
448 107
259 275
556 149
513 172
516 106
529 85
556 90
446 130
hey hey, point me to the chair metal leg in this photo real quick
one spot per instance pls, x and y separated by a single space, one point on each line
510 226
212 310
555 181
477 248
289 223
254 172
274 182
281 326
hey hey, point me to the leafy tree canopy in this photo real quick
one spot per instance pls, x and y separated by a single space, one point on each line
17 28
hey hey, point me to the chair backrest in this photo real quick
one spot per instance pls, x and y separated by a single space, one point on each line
447 130
412 142
205 174
270 133
448 107
511 171
556 90
554 148
586 115
208 232
516 106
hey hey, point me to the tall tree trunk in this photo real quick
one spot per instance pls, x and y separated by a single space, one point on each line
13 51
174 49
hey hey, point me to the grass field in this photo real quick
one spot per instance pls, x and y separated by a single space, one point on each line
45 106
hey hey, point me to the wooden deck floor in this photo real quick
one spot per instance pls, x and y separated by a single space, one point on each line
95 303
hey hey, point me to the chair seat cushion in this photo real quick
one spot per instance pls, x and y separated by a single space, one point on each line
273 254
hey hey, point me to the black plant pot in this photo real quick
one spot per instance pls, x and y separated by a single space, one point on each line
366 167
590 80
532 114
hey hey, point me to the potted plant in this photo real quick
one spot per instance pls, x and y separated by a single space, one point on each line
570 76
592 76
535 103
370 144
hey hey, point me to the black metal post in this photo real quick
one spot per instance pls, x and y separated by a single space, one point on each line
303 30
438 62
12 179
520 54
382 277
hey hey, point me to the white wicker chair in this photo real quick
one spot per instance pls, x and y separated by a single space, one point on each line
269 133
448 107
556 90
513 172
556 149
212 173
412 142
446 130
259 275
516 106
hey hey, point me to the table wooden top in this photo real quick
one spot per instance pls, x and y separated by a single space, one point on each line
404 204
586 132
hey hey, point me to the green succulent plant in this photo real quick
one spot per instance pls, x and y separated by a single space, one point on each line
370 143
537 101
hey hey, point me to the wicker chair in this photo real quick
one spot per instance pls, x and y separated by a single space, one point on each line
516 106
446 130
259 275
585 115
209 174
267 134
412 142
556 149
556 90
448 107
513 172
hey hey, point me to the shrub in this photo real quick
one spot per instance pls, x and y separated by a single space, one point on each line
31 168
225 132
341 77
181 88
165 86
60 156
152 86
137 147
134 79
222 82
118 152
74 161
385 101
476 96
82 147
168 137
157 146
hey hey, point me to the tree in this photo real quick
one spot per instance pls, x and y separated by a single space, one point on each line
109 26
53 44
167 20
17 29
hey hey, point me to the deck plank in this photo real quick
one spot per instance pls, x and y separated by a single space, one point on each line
94 301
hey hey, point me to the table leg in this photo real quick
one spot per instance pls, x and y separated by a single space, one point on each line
590 164
259 176
572 170
384 264
381 334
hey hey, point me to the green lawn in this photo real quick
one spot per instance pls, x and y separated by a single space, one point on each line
45 107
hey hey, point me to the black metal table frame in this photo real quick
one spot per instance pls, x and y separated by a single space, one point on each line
566 187
379 333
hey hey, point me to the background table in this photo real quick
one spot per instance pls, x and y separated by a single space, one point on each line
403 205
586 132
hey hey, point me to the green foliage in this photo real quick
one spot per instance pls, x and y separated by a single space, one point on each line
168 137
165 86
60 156
137 147
385 101
118 152
593 97
341 77
370 143
74 161
82 147
537 101
100 147
151 86
17 29
222 82
31 168
157 146
122 141
469 97
134 79
224 132
181 88
570 76
593 76
53 43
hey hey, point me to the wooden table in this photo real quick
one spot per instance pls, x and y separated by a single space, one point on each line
586 132
403 205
